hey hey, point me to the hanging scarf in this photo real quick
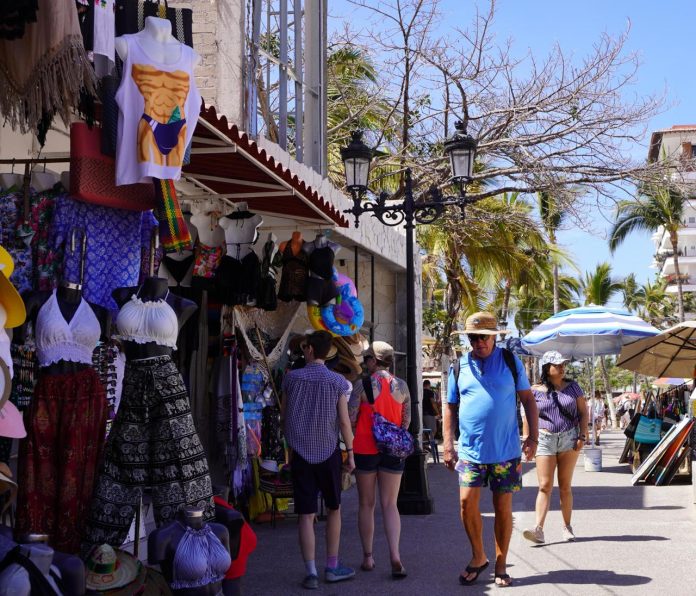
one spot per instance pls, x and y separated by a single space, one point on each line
174 234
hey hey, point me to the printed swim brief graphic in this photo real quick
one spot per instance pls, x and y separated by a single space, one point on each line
503 477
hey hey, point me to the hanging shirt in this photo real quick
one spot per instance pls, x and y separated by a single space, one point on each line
104 37
158 105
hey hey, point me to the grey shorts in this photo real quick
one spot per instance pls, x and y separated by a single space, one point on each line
555 443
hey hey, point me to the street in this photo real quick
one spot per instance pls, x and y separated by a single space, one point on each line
630 540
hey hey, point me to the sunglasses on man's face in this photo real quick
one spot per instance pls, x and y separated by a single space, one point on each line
474 337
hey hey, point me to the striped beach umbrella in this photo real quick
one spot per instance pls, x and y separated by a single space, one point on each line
586 332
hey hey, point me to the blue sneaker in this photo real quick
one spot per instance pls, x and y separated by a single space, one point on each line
338 574
311 582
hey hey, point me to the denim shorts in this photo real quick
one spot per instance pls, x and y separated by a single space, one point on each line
503 477
370 463
555 443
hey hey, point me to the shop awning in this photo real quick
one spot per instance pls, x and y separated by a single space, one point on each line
228 163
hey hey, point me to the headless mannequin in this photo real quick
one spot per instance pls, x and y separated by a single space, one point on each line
17 582
157 41
315 296
165 269
163 542
209 232
10 180
153 288
296 243
240 231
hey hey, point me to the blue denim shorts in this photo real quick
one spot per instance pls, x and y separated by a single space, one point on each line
555 443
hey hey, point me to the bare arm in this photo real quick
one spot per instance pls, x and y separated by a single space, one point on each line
346 430
449 420
530 443
584 416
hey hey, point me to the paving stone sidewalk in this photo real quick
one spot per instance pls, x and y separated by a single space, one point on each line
630 540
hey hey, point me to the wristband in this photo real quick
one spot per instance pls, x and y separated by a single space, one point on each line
351 449
532 440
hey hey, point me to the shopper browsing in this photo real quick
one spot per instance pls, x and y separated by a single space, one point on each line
314 410
562 433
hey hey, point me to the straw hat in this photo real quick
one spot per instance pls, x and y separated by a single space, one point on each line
346 356
109 568
9 297
483 323
381 350
358 344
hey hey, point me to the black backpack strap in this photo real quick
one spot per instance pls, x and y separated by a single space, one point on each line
367 386
509 358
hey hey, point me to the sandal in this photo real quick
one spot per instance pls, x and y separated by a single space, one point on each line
505 580
367 567
472 569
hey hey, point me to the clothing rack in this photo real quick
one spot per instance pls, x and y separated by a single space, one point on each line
34 160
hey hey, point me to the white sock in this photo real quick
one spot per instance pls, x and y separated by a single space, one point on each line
310 567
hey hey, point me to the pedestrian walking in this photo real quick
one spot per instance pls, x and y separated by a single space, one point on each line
483 398
315 408
431 408
389 397
597 414
563 417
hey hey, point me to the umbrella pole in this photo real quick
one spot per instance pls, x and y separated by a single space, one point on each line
592 401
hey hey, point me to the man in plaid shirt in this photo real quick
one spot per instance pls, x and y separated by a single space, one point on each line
315 408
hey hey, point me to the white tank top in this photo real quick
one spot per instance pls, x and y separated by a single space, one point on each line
144 322
57 340
159 106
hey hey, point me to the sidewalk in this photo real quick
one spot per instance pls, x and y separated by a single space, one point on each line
630 540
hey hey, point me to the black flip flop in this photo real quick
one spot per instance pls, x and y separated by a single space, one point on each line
505 577
471 569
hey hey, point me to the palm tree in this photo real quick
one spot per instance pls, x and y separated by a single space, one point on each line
598 288
552 215
660 208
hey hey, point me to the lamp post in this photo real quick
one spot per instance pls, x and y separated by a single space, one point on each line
414 497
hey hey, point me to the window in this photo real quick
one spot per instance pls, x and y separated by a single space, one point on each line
692 220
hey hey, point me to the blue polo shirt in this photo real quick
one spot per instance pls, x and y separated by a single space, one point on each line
487 402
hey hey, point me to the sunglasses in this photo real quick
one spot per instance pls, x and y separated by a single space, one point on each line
474 337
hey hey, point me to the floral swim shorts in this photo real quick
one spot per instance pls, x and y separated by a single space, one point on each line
503 477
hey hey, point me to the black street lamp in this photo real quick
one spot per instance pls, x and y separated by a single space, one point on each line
414 497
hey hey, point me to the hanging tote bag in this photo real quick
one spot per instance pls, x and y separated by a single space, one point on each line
647 430
93 174
390 438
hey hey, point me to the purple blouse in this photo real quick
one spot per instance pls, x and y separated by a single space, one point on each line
551 417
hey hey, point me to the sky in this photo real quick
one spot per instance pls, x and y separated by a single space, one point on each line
660 35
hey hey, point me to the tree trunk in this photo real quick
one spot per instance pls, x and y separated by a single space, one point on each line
506 301
556 293
680 294
607 390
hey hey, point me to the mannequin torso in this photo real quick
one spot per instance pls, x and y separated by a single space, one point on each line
157 42
295 243
162 547
153 289
209 232
240 229
321 243
178 266
69 300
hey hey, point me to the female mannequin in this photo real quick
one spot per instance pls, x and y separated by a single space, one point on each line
293 279
320 286
66 419
17 580
209 250
163 543
153 440
178 266
238 275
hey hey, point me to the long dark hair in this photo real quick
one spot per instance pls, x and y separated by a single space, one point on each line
545 378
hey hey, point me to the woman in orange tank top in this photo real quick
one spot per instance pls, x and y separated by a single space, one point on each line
372 468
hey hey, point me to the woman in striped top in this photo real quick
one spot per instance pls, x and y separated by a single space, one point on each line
562 433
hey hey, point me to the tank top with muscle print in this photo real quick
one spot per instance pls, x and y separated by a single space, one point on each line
158 105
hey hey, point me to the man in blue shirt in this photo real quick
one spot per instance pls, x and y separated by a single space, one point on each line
484 400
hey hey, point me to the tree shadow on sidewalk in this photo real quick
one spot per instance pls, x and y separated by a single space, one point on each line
617 538
589 577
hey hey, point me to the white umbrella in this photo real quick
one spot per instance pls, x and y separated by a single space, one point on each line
586 332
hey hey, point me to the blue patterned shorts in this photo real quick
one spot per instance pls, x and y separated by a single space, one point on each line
503 477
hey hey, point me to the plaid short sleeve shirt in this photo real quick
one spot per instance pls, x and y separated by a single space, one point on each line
311 410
